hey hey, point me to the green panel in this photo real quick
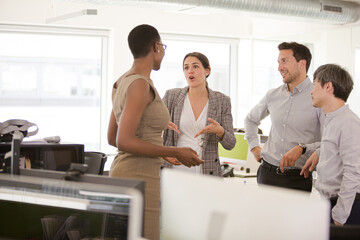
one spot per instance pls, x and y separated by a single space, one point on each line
238 152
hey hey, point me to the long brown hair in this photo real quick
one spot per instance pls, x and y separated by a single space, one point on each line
202 58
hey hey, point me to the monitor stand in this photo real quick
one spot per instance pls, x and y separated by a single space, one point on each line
15 152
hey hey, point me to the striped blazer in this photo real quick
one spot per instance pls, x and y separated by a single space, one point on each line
219 109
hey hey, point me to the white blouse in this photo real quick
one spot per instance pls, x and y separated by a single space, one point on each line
189 127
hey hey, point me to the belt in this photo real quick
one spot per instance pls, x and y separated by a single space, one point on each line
275 169
357 198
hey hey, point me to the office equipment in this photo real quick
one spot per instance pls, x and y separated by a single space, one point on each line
15 152
22 128
95 162
244 173
241 156
227 171
203 207
89 178
32 205
50 156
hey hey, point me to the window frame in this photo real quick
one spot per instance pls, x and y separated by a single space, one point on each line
104 34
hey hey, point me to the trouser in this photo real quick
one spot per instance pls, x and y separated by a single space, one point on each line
354 217
271 175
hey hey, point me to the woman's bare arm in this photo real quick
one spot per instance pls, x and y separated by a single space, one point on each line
112 130
138 96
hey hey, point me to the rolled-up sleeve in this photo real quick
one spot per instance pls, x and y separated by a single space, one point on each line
253 120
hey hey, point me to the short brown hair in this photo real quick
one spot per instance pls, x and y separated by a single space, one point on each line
300 52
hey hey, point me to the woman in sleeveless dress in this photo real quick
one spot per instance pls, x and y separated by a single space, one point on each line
136 123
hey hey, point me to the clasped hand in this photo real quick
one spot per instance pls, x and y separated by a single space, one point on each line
289 158
185 156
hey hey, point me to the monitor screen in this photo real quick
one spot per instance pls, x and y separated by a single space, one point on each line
48 208
204 207
40 155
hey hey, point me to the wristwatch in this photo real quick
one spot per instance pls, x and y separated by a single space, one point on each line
303 146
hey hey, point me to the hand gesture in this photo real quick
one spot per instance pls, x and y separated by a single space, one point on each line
256 152
289 158
172 160
310 165
213 127
188 157
337 223
173 126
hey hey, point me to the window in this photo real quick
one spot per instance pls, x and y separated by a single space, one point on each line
355 94
218 51
357 66
53 77
258 68
222 55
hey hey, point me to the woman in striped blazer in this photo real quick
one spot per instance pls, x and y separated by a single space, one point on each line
200 118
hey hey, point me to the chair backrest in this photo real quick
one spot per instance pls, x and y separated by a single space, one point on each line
95 162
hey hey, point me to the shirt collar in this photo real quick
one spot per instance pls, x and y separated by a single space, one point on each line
303 85
337 112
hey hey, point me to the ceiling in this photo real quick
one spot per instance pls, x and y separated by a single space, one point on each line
329 11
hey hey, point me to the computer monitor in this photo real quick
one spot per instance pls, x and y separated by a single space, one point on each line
89 178
204 207
51 208
42 155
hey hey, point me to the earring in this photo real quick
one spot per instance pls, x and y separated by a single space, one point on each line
158 51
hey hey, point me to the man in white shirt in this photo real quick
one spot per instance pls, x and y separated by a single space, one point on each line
339 165
295 129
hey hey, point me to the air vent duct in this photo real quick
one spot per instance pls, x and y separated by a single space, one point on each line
333 11
332 8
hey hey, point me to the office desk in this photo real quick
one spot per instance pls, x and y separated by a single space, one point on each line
244 180
50 156
252 181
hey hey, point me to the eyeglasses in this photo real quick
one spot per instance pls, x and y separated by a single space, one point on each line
163 46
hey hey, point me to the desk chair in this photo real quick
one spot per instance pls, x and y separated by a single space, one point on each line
95 162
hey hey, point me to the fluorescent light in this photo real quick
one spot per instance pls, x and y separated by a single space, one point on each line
71 15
